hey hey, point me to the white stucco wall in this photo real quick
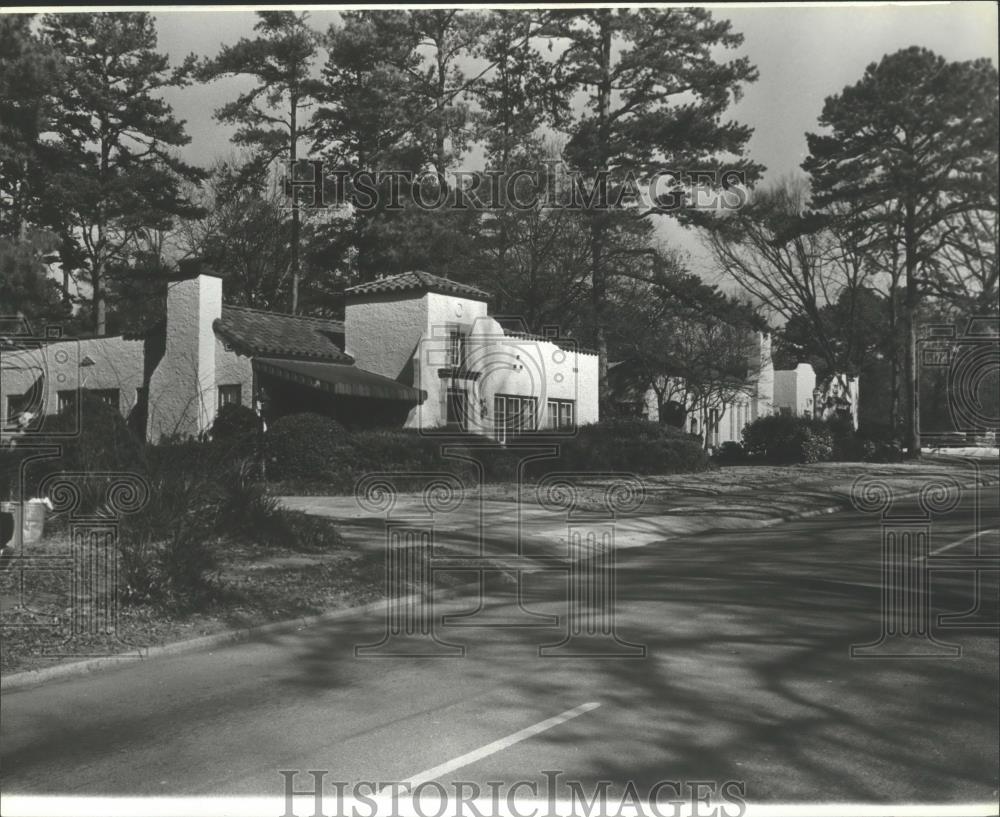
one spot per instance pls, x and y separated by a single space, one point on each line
406 337
793 390
116 364
762 372
182 390
506 365
231 369
382 332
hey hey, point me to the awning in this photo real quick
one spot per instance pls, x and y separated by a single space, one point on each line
338 378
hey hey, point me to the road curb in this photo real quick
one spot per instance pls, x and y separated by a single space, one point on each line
843 505
31 678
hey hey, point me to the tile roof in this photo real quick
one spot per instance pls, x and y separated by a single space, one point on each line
259 332
417 280
339 378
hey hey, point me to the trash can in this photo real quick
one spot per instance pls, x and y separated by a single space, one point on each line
35 511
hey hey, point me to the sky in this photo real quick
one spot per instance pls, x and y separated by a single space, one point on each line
803 53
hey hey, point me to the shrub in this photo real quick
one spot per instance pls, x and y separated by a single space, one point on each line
235 423
245 508
730 453
165 547
880 448
306 446
846 443
99 441
626 444
782 438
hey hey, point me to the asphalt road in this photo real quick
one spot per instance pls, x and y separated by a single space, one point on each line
747 676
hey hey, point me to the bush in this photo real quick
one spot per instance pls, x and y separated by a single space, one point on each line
245 508
235 423
880 448
104 444
782 438
306 446
846 443
626 444
730 453
165 547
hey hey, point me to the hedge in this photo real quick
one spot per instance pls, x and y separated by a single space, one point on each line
783 439
303 447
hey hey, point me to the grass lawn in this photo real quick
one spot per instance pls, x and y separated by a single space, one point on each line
255 583
322 570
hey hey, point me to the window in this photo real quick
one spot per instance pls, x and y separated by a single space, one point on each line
457 409
230 395
106 396
456 349
561 415
513 415
67 398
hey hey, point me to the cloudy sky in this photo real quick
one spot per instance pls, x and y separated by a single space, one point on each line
803 53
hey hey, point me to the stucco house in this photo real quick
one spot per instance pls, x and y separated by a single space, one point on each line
414 350
720 417
765 391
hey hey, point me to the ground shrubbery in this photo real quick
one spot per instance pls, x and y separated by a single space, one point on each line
633 445
95 441
305 447
200 493
730 453
613 445
238 427
782 438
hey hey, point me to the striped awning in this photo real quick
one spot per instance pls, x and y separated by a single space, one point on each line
338 378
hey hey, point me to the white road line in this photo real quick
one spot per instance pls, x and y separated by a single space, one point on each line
955 544
497 745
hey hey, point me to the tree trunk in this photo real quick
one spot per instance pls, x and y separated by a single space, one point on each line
597 224
910 381
442 80
893 366
293 153
100 307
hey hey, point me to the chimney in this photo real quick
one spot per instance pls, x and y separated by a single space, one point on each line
182 389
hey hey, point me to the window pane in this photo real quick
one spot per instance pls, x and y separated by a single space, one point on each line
230 395
530 412
499 418
67 400
566 414
456 348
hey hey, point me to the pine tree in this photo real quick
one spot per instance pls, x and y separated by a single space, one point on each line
911 150
273 117
117 174
656 93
